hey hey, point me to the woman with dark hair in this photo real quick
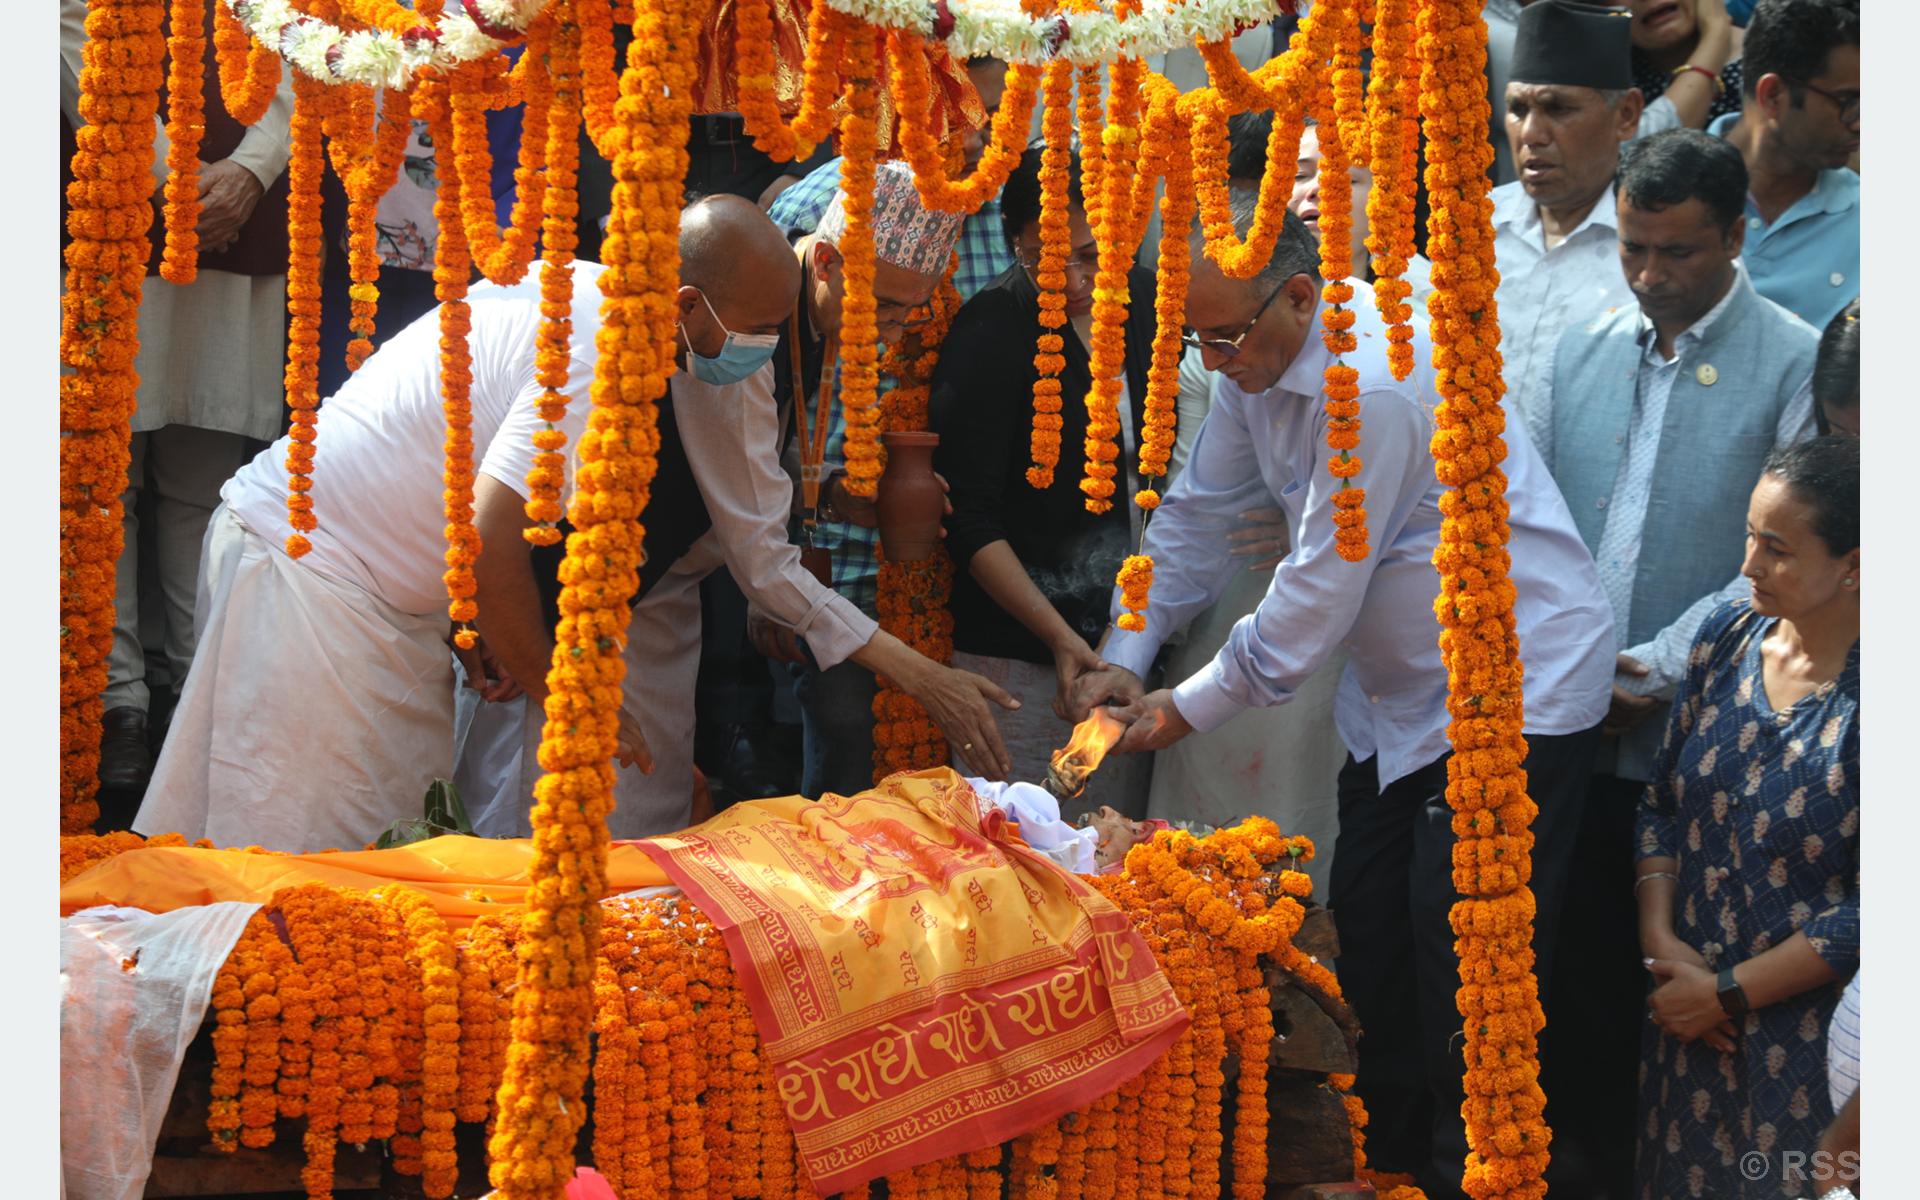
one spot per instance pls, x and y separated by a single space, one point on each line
1836 375
1033 568
1749 872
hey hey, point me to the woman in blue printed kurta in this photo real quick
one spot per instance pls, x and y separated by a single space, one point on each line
1749 852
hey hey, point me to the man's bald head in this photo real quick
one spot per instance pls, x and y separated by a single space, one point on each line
736 258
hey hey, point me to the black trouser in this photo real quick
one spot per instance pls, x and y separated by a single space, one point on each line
1602 1008
1391 890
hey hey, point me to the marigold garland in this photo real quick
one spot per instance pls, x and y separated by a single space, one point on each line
108 217
1337 103
1049 354
859 329
821 77
553 353
1121 139
1135 581
312 102
437 965
1486 786
249 71
531 1150
1006 139
1090 122
1393 136
186 122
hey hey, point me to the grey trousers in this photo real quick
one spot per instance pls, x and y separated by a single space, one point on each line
186 468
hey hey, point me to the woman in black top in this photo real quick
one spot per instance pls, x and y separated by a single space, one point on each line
1034 569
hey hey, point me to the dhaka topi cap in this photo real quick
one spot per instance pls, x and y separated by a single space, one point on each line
906 234
1573 44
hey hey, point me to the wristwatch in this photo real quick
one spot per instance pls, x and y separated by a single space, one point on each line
1732 998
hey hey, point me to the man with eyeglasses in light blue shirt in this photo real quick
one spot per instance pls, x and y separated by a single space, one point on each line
1264 442
1799 128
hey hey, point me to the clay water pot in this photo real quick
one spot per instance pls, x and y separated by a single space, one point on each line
910 503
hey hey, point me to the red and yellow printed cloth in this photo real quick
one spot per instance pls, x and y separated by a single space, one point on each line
924 983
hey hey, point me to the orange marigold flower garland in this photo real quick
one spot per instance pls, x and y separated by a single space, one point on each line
1006 141
1336 267
108 217
502 255
1135 581
453 266
1393 134
1049 357
263 974
1090 121
1108 352
367 145
312 101
438 977
186 122
553 353
228 1006
249 72
1486 786
539 1100
772 134
1171 146
1287 81
859 332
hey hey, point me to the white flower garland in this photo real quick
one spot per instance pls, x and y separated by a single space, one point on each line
375 56
994 27
999 27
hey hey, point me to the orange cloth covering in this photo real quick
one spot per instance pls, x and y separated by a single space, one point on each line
924 983
463 877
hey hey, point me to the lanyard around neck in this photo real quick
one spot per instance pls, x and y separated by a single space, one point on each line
812 431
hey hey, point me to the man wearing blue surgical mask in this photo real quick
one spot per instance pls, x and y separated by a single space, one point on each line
719 498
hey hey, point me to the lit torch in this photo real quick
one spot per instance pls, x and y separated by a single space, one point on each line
1072 763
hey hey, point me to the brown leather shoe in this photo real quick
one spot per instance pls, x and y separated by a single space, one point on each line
125 761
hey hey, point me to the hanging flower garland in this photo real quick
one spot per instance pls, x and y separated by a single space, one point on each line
1393 134
312 103
1049 357
249 70
548 1060
1337 102
367 140
859 332
911 94
108 217
553 351
186 122
772 134
1486 783
503 255
1089 121
1121 139
1171 148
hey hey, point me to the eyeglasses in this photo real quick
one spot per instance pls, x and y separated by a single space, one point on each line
1086 261
1230 347
1848 104
909 316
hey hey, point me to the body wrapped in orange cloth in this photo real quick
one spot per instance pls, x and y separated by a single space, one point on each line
924 982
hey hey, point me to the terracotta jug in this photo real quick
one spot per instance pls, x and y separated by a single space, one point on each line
910 502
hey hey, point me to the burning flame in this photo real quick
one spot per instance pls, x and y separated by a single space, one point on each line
1085 750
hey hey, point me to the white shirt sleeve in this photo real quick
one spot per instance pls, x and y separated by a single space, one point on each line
1658 117
1316 595
731 435
1187 534
267 144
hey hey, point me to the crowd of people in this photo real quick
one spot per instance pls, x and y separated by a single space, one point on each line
1676 221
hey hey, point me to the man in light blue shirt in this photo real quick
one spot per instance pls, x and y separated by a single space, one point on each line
1800 125
1264 442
